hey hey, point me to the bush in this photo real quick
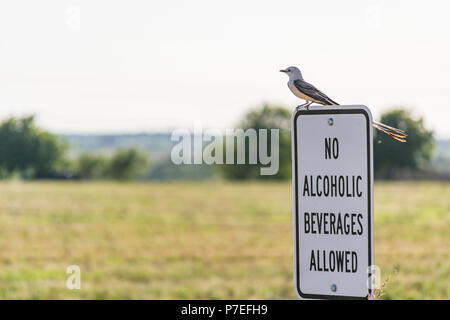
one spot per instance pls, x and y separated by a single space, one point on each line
91 166
267 117
391 155
128 164
28 150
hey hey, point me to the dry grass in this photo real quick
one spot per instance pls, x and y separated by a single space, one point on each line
200 240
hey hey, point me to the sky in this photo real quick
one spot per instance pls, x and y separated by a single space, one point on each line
104 66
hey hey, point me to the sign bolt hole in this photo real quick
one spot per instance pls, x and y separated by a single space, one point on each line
330 121
333 287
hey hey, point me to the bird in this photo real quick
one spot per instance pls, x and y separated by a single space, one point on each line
306 91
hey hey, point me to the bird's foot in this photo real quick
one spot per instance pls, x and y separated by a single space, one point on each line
305 105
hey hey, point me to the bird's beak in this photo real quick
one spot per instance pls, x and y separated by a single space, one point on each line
283 71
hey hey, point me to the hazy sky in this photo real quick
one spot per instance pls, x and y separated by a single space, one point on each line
129 66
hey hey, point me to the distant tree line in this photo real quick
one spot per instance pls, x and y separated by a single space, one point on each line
125 164
29 151
392 159
32 153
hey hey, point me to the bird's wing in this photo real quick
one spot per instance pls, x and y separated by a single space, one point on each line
311 91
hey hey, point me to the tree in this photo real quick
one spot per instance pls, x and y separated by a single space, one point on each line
26 149
390 155
267 117
128 164
91 166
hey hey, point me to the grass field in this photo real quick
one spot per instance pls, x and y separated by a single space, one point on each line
200 240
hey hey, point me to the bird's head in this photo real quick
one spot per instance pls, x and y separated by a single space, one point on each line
293 72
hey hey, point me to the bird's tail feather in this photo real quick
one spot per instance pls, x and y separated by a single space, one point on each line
395 133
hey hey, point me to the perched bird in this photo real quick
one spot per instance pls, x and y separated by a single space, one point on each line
310 94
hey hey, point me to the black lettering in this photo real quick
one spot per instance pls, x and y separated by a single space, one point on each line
319 193
346 225
325 262
335 148
353 185
333 186
318 262
347 261
359 178
332 225
353 224
340 261
312 222
325 222
341 186
312 186
339 225
312 262
307 226
332 261
360 217
326 186
354 262
319 222
305 187
327 148
346 187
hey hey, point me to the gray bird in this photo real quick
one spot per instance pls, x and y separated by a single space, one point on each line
306 91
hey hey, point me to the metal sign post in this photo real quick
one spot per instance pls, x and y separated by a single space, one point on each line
332 155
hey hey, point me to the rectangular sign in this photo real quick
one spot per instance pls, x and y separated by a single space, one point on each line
333 201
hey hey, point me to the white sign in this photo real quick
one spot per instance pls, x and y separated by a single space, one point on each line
333 201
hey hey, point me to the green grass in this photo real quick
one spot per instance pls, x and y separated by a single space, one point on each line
200 240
